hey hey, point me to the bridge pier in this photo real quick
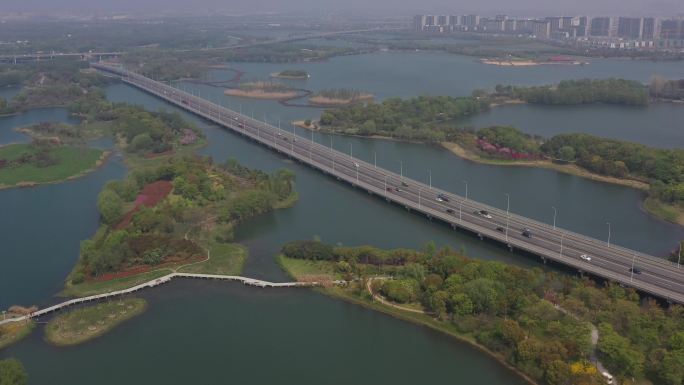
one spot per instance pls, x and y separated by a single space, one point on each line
429 217
510 247
480 236
543 260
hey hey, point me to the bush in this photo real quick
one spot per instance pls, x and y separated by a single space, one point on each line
313 250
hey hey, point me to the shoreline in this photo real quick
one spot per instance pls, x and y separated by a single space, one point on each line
429 323
463 153
414 318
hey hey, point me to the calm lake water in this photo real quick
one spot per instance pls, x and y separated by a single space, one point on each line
303 337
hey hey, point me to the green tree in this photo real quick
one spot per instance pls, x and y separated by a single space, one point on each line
566 153
12 372
110 206
619 355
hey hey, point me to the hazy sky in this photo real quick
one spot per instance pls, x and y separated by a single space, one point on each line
393 7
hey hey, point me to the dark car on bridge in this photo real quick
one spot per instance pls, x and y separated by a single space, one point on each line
635 270
527 233
450 211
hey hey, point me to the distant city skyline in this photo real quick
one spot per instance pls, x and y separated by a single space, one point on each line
389 7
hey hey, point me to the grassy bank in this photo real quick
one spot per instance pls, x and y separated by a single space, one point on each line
81 325
224 259
14 331
669 212
462 152
65 163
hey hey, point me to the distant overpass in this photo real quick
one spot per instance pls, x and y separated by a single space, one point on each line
40 56
99 56
654 276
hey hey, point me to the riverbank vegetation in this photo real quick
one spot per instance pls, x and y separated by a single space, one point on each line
339 97
44 161
536 321
583 91
83 324
661 88
12 372
14 331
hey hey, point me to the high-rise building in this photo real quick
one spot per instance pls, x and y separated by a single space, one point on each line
454 20
630 27
649 28
672 29
419 22
541 29
602 27
471 20
442 20
492 25
430 20
556 23
511 25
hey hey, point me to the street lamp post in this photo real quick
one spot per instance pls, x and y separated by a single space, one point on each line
608 223
508 207
631 277
385 186
351 151
680 254
430 177
560 254
401 169
375 159
357 172
554 216
311 144
466 186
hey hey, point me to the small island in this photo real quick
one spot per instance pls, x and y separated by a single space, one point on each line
339 97
45 161
291 74
263 90
81 325
522 62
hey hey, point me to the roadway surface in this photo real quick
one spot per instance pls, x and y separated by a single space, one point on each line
655 276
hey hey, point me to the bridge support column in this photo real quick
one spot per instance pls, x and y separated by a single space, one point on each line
480 236
510 247
543 260
581 273
429 217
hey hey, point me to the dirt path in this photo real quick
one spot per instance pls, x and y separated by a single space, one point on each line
383 301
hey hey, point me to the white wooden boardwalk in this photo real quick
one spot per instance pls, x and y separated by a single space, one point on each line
157 282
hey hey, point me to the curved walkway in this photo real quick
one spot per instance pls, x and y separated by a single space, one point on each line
157 282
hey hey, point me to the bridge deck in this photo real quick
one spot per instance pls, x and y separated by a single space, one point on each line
659 277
